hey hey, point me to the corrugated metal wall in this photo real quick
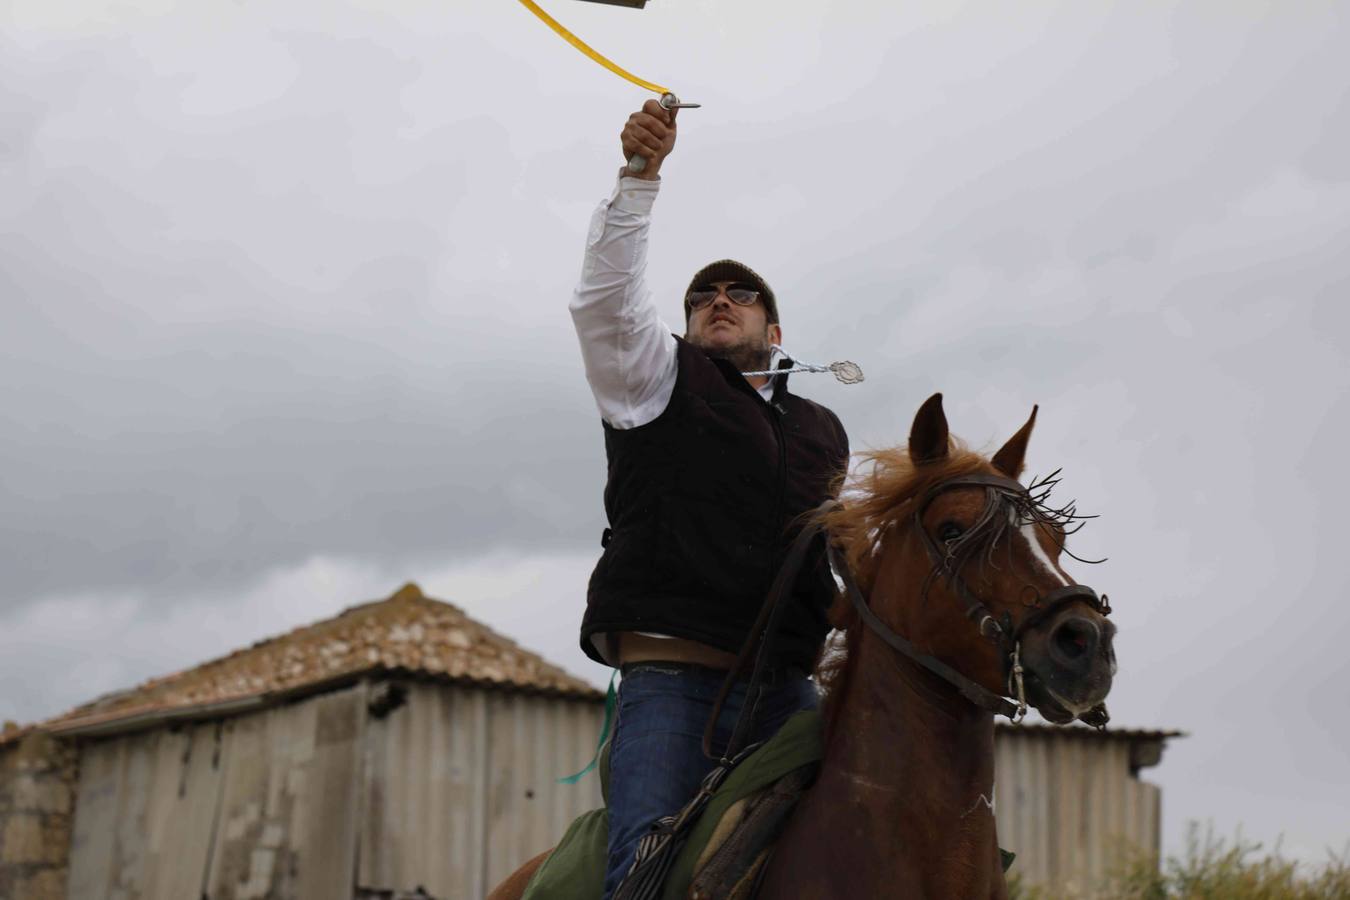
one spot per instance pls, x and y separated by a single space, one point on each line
450 788
1068 805
261 806
449 791
463 787
144 813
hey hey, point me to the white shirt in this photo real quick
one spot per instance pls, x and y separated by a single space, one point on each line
628 350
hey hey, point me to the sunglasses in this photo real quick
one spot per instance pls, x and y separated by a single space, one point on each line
738 295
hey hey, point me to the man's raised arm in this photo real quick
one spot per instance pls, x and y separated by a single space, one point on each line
628 351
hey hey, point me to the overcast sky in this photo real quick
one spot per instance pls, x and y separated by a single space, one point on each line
284 293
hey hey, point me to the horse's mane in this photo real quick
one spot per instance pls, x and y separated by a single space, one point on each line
876 500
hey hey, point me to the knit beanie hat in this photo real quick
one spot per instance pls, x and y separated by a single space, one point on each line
730 270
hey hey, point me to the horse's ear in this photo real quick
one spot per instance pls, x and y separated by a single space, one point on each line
928 436
1009 459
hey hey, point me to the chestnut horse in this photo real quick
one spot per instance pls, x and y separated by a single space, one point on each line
967 605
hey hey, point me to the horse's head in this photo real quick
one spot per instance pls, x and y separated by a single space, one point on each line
965 565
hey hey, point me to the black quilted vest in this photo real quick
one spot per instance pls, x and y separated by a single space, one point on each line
702 505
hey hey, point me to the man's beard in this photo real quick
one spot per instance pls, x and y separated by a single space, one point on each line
749 355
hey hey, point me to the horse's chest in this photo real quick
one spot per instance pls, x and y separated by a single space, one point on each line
838 846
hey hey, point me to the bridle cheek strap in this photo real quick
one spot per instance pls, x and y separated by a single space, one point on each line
943 559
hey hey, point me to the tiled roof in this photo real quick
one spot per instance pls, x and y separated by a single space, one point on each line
408 632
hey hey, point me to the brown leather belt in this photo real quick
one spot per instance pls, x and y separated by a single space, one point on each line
634 647
768 678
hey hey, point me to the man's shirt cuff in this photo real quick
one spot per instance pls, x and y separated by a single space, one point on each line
634 195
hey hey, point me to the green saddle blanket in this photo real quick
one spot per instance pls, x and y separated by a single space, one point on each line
576 868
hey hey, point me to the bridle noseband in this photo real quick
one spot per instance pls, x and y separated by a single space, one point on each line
999 491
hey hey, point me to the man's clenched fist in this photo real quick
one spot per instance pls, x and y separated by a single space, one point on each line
651 135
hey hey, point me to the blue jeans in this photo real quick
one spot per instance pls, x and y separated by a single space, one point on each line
656 756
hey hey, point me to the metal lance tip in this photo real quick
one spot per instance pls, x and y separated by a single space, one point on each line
846 371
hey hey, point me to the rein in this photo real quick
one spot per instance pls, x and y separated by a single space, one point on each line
758 642
975 693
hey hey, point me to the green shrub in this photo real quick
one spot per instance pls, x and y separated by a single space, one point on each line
1212 869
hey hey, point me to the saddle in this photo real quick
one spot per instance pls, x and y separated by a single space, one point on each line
726 846
731 864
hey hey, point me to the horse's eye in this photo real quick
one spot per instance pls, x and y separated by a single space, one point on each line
950 531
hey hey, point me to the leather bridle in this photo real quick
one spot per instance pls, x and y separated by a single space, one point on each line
1000 492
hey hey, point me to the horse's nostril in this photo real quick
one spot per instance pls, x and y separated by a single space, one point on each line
1074 639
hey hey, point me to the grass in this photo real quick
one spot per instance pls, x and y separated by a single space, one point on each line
1212 869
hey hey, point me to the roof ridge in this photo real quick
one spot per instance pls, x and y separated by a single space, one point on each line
405 631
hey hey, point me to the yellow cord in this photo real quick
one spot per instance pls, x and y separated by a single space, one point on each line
581 45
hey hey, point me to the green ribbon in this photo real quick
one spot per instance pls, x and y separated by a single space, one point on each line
611 701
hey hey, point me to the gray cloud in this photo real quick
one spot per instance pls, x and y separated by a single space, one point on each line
284 318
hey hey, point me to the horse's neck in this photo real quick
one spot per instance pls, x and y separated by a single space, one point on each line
913 736
904 802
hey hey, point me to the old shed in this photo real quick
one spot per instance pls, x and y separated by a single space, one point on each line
399 749
1069 800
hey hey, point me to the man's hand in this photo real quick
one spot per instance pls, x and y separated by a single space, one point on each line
651 135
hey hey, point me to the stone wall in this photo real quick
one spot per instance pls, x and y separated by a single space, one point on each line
37 791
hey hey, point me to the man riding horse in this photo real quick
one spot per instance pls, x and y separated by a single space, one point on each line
710 472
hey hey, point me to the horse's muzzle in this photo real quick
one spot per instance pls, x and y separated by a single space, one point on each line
1070 660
